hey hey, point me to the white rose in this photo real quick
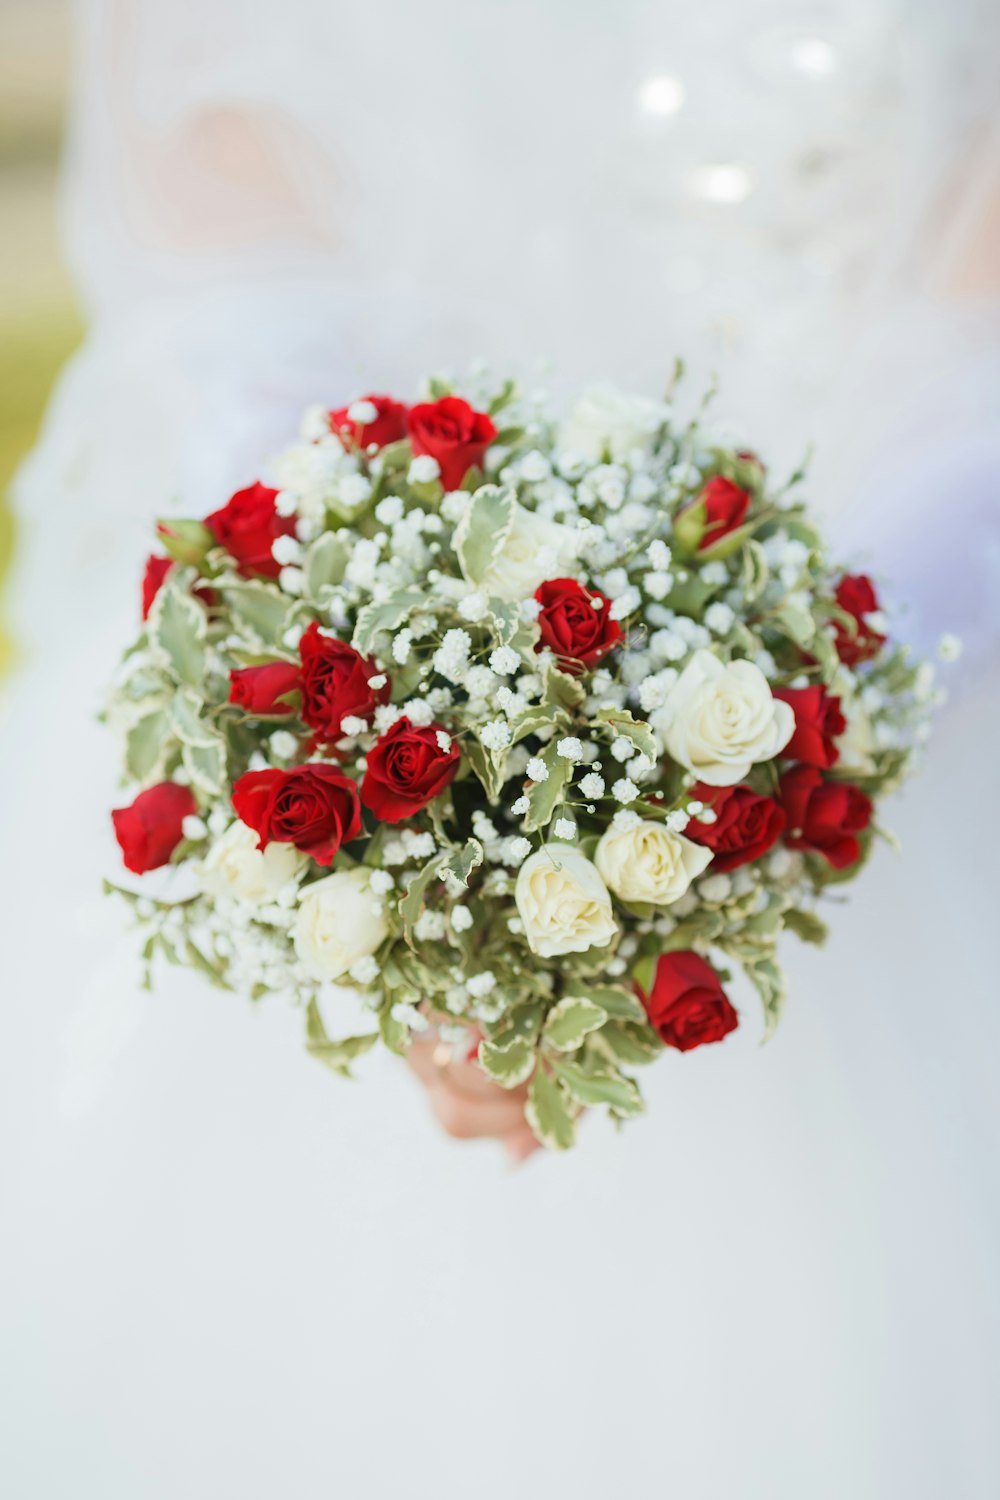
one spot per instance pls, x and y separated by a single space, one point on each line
857 743
236 868
608 420
338 922
648 863
720 719
563 903
535 549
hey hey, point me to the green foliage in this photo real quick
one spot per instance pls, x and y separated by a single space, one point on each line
483 531
569 1021
176 628
549 1114
336 1054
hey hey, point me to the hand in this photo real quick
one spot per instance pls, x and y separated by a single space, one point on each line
468 1105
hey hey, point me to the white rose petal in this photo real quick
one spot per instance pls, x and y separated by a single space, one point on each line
337 923
648 863
720 719
235 868
563 903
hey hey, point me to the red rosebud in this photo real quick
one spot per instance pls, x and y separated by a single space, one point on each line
746 825
855 593
260 690
248 526
575 624
725 508
818 723
388 426
824 816
315 807
335 683
452 432
688 1006
150 829
153 576
406 769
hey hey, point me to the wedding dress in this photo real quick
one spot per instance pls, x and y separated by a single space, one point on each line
227 1273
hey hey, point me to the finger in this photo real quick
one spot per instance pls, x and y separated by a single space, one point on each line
520 1144
468 1119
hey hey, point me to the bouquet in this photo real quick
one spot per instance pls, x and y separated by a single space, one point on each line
524 730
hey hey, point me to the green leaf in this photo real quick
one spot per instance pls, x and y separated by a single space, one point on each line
622 722
147 743
544 796
185 541
620 1093
483 530
769 981
395 1034
176 629
547 1113
374 619
614 999
187 723
206 766
795 621
325 562
755 571
488 769
807 926
561 689
539 716
629 1042
337 1053
462 863
507 1066
412 903
258 610
568 1022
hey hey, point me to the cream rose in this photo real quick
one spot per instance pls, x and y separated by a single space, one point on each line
535 549
649 864
857 743
236 868
607 420
563 903
338 922
720 719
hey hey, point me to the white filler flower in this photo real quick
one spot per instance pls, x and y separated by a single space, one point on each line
235 868
338 922
563 903
720 719
607 419
648 864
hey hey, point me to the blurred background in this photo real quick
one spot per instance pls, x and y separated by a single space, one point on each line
39 322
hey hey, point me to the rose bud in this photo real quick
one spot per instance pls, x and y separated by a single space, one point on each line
575 623
818 723
260 690
315 807
824 817
151 828
247 527
153 576
336 683
856 596
454 434
720 508
746 825
406 769
687 1005
387 425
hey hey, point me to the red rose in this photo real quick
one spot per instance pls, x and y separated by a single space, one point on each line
335 683
579 631
150 830
818 722
259 690
388 426
155 572
247 526
688 1006
746 825
453 433
315 807
824 816
406 769
856 596
722 507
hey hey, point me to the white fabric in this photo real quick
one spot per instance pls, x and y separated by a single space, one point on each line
228 1273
